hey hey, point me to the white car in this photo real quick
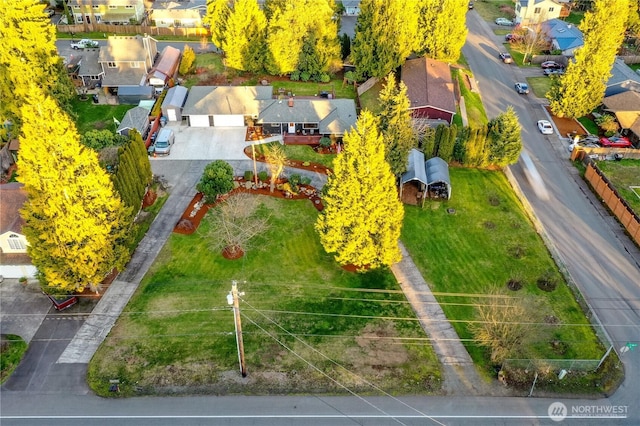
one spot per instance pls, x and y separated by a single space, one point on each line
503 21
85 43
545 127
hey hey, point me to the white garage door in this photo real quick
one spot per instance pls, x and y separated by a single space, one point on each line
228 120
199 120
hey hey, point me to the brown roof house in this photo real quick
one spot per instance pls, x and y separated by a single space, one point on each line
626 107
14 261
430 89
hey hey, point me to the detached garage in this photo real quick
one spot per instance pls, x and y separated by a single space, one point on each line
224 106
173 102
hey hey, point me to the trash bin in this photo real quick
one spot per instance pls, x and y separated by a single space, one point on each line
95 99
163 121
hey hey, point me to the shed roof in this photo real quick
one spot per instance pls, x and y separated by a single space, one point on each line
429 84
415 168
136 118
167 64
437 171
176 97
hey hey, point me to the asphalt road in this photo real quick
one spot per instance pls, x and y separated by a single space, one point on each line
597 256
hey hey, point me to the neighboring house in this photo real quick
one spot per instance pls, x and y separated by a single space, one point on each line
536 11
224 106
622 79
90 71
328 117
107 11
186 14
165 71
563 36
236 106
351 7
626 107
173 103
429 89
127 61
136 118
14 260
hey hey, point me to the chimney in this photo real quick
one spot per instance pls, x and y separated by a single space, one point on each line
290 102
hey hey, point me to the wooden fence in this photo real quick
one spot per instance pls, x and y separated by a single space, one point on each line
134 29
607 193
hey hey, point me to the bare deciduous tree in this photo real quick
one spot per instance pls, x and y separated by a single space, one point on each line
235 222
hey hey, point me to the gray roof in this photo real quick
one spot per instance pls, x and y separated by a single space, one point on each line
621 73
124 76
128 49
89 64
437 171
225 100
176 96
136 118
415 168
334 116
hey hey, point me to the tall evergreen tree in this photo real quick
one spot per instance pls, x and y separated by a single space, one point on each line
582 87
76 224
362 218
442 28
217 14
28 57
505 142
245 28
385 36
395 124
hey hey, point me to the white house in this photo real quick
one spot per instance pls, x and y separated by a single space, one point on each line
536 11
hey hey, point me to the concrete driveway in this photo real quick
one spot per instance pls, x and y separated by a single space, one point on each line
22 308
206 143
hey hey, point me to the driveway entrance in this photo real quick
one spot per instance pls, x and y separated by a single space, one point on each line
207 143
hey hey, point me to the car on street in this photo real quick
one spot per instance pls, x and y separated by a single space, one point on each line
553 71
85 43
522 88
504 21
550 64
470 5
505 57
615 142
545 127
513 37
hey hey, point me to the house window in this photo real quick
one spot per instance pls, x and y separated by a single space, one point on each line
96 6
128 6
79 19
112 6
111 65
76 7
310 126
135 64
550 9
536 10
15 242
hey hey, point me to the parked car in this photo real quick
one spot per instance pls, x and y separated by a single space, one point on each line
615 142
505 57
470 5
85 43
545 127
164 141
62 302
513 37
550 64
553 71
522 88
503 21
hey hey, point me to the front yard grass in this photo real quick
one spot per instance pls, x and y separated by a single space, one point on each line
176 334
624 175
490 10
12 349
476 114
91 116
539 85
486 242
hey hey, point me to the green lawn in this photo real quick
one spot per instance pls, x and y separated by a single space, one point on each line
178 330
539 85
488 241
97 117
590 125
490 10
475 110
299 152
12 349
369 99
301 88
624 175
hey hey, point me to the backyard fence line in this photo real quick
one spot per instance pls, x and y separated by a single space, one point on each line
134 29
555 365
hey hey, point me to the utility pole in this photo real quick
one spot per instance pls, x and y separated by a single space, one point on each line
232 299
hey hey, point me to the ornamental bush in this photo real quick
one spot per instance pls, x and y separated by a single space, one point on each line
217 179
